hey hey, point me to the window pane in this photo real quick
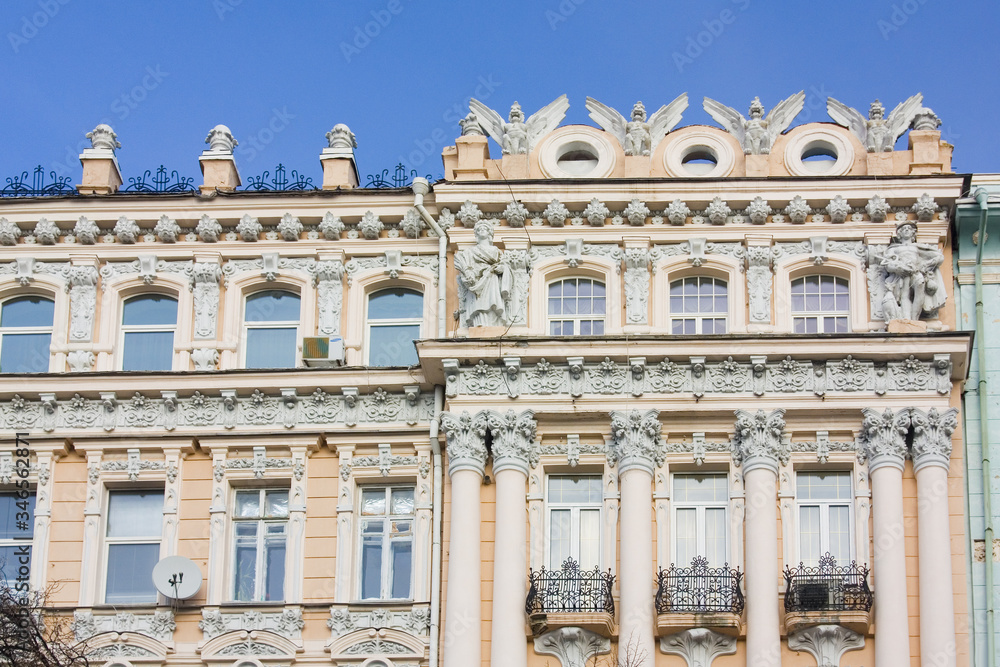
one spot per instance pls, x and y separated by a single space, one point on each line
373 501
10 525
27 311
396 304
135 514
271 348
715 536
245 572
840 534
559 538
274 586
590 539
687 536
402 501
824 485
10 564
150 309
272 306
148 351
130 572
582 489
371 568
809 537
701 488
248 503
393 345
401 567
25 353
277 503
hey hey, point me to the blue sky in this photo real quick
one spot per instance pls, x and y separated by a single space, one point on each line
399 72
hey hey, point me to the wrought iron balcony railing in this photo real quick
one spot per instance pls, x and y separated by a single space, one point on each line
699 589
570 590
827 587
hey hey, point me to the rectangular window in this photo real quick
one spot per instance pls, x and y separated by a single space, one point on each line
259 529
134 526
824 501
701 504
574 513
17 525
386 543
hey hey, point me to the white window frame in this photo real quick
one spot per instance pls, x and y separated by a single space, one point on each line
575 509
698 316
50 330
390 322
270 324
700 508
822 317
577 318
385 568
824 516
109 541
146 328
262 521
19 542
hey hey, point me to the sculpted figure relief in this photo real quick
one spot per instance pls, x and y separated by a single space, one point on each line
485 281
914 284
876 132
757 134
519 136
637 136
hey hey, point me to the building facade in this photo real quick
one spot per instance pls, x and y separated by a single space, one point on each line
636 395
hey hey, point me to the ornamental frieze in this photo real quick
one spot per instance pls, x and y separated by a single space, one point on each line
158 625
287 623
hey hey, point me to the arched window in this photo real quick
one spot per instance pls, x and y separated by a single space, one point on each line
820 304
271 319
148 324
394 318
699 305
25 334
577 306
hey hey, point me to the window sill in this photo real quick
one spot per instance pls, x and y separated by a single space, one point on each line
118 606
383 603
280 604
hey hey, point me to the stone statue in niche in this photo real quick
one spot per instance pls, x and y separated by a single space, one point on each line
518 136
757 134
914 285
485 281
876 132
637 136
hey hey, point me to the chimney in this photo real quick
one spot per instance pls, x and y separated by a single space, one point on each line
101 174
339 168
217 163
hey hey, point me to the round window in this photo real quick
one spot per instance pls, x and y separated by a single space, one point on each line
577 158
819 156
699 160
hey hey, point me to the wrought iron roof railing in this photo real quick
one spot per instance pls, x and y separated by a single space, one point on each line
569 590
399 178
160 182
699 589
828 587
280 181
35 185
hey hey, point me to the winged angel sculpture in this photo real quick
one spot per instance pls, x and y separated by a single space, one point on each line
518 136
637 136
876 132
757 134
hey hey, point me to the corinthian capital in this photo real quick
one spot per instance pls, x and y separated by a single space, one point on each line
513 439
932 436
758 441
883 435
466 437
635 440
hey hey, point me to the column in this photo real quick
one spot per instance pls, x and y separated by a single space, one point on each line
931 455
466 460
638 449
759 448
513 445
884 438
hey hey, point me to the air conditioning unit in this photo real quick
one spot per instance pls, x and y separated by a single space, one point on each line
323 351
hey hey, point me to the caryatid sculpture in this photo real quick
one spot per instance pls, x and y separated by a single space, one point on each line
757 133
914 285
876 132
517 136
485 281
638 136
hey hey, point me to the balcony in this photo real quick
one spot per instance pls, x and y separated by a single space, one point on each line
699 597
828 593
571 597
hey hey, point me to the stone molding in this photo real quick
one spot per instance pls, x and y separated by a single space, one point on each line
573 646
286 623
883 435
826 643
635 441
932 437
466 441
159 625
759 440
143 413
416 621
698 646
514 445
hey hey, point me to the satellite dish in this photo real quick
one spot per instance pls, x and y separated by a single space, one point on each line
177 577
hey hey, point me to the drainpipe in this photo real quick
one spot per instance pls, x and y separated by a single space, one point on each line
981 197
420 188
